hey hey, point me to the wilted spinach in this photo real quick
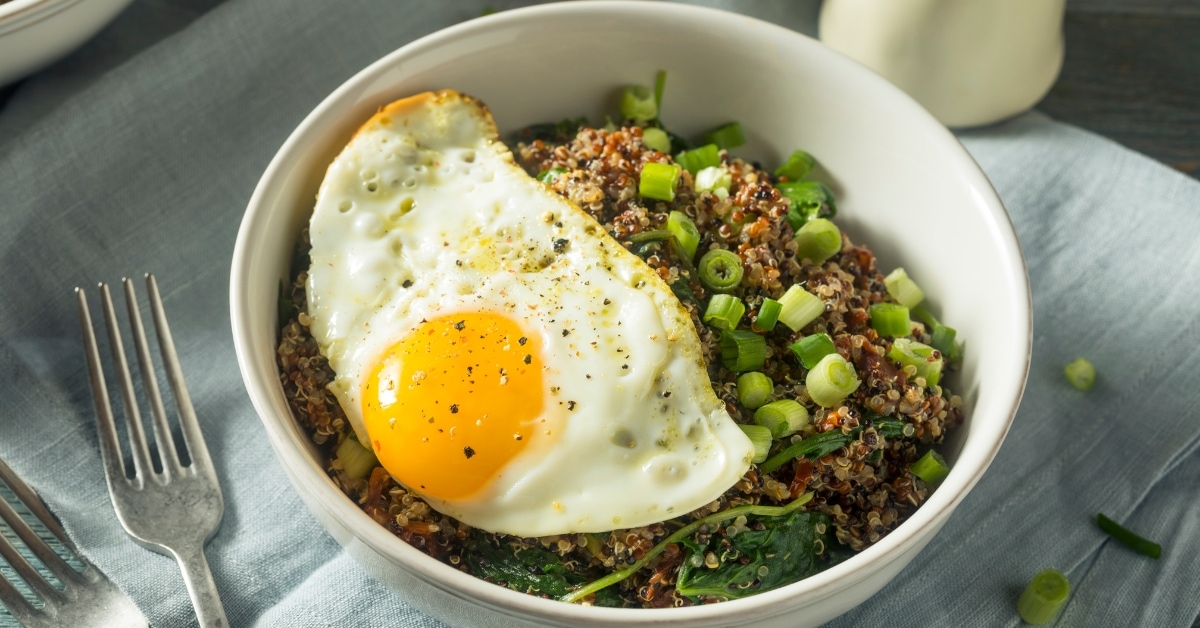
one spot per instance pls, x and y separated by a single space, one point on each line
533 570
810 199
786 550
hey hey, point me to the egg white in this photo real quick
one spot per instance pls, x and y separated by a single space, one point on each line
424 213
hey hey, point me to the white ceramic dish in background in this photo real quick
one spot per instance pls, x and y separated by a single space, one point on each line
968 63
35 33
905 186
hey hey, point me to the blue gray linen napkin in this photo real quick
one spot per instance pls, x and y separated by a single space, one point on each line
139 153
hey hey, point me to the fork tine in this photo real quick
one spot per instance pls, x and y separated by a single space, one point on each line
162 431
49 558
133 417
16 603
23 567
197 449
34 504
106 428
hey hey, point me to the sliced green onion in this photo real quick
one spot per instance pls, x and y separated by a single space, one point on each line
726 136
357 461
1128 538
799 307
713 178
927 360
658 181
783 417
808 200
943 340
1080 373
1043 597
698 159
931 468
656 139
548 176
687 236
760 437
660 82
683 533
813 447
831 380
754 389
890 319
768 315
637 104
742 350
812 348
720 270
904 290
724 311
797 166
921 313
818 240
649 236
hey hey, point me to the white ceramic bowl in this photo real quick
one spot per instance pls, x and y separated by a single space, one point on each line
905 186
35 33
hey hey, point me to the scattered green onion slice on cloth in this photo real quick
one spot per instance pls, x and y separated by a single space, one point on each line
1128 538
1043 597
1080 373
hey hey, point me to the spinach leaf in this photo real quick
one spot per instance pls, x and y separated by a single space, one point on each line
810 199
783 552
684 293
532 570
559 132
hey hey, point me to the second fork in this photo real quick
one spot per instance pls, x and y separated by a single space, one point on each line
176 508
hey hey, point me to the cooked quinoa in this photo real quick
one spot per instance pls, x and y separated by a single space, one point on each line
863 490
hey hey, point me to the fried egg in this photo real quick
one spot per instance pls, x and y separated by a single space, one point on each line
501 354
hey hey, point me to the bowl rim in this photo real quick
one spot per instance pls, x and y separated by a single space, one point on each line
17 14
446 578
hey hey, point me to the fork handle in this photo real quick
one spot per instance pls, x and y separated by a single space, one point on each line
201 588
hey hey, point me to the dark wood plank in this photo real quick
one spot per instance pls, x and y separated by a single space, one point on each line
1135 78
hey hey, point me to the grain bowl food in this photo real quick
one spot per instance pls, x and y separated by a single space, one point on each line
901 182
806 344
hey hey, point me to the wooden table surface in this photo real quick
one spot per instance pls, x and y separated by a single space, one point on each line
1131 73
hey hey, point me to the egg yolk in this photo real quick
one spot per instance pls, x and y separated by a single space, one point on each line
453 402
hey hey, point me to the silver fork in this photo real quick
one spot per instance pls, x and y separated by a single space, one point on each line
177 510
87 597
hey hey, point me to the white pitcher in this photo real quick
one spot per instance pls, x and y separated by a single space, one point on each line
969 62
